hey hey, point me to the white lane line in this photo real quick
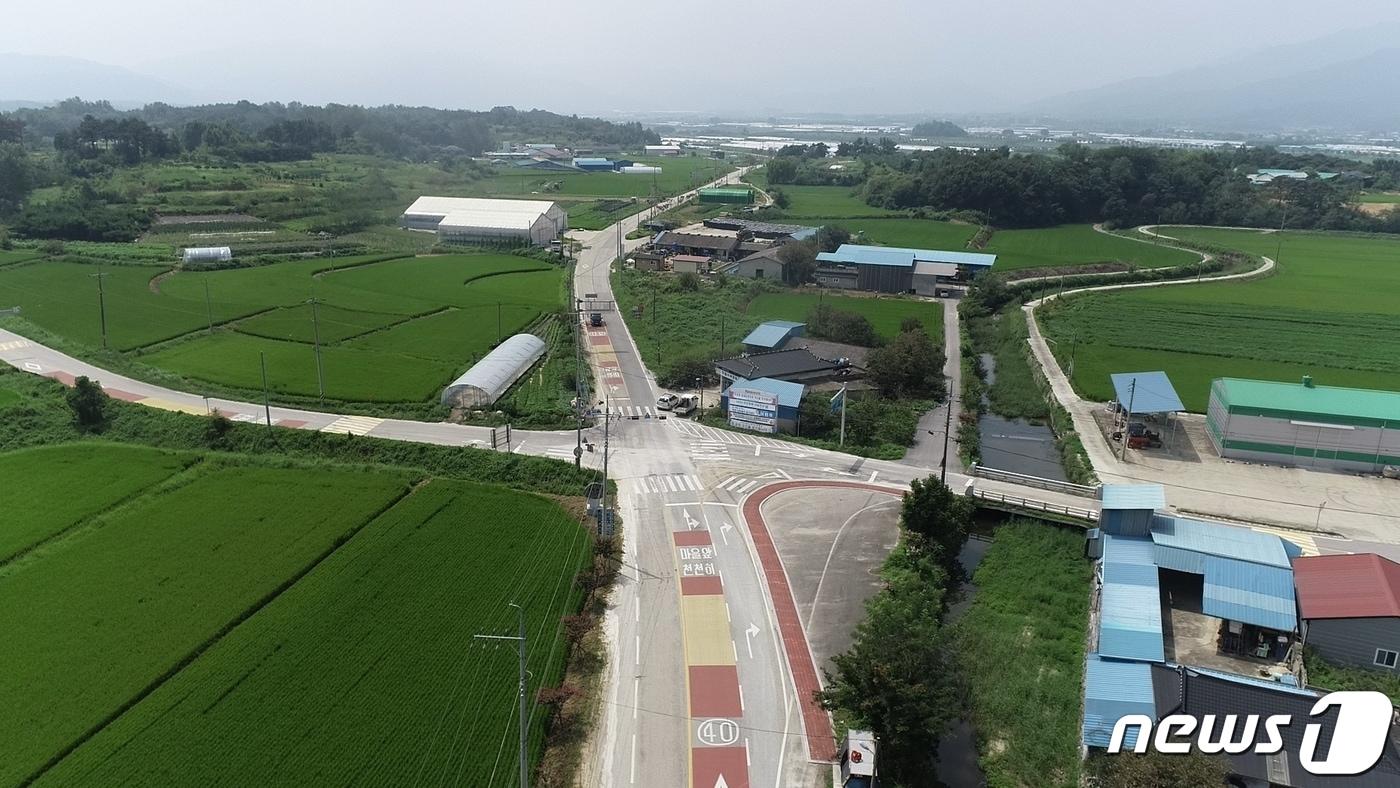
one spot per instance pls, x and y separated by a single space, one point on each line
637 609
726 481
873 474
518 447
633 778
745 489
741 697
756 450
638 660
636 695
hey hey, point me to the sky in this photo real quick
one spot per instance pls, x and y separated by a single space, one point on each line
754 57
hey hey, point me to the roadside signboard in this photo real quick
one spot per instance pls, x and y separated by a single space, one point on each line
752 409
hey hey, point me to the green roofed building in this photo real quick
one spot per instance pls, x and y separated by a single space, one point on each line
727 196
1304 425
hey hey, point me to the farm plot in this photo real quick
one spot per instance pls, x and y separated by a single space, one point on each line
17 256
331 323
885 314
1077 244
827 202
1306 319
916 233
94 621
48 490
677 175
366 671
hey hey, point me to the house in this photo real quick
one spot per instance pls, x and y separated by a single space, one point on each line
763 405
889 269
720 247
1350 606
766 264
795 365
772 335
690 264
648 261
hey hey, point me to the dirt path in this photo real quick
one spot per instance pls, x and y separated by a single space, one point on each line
154 284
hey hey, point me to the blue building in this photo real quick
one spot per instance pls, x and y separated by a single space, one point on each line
593 164
773 334
763 405
892 269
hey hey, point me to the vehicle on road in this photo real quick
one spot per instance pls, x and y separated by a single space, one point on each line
667 401
685 405
595 319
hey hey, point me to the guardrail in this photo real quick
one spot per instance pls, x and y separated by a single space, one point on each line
1031 505
1025 480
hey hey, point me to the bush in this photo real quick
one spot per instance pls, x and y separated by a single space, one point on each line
850 328
88 403
682 372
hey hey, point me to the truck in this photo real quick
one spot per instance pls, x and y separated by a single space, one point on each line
686 405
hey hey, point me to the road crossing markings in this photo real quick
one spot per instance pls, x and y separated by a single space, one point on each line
15 345
355 425
671 483
1305 542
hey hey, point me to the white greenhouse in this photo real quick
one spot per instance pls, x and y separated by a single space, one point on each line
482 220
640 169
207 254
493 375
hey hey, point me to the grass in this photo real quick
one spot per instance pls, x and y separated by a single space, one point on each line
101 616
1343 678
17 256
366 670
1389 198
391 330
827 202
1032 602
916 233
1328 290
885 314
49 490
1076 245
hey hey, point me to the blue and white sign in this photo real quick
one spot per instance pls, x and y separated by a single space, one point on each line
752 409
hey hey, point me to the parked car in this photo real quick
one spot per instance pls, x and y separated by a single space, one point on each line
667 401
686 405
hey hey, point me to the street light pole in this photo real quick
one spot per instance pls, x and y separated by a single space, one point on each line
267 404
1127 421
316 337
578 383
102 304
521 690
947 428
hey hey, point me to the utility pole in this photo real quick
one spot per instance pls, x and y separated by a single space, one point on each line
102 304
947 430
267 404
700 389
578 384
208 302
520 645
316 337
1127 420
498 322
844 395
1278 253
607 425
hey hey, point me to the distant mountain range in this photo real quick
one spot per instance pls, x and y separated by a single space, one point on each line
43 79
1342 82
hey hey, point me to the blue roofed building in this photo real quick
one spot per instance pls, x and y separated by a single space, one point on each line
1114 689
763 405
595 164
1130 622
891 269
773 334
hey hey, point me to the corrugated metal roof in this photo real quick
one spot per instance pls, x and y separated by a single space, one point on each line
1259 595
861 254
1149 392
1227 541
1363 585
1130 619
1310 401
1132 496
465 212
789 394
773 333
1112 690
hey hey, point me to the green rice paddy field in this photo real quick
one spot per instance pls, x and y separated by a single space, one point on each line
1329 311
885 314
1077 244
318 631
391 330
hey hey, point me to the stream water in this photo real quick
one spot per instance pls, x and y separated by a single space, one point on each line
1015 444
957 750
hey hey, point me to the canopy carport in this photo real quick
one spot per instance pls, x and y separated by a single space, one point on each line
1144 394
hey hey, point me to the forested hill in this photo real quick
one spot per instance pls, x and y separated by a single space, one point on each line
412 132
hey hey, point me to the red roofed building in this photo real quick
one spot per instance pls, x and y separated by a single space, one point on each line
1350 608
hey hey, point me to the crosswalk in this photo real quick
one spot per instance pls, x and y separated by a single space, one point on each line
669 483
15 345
634 412
1304 541
741 485
709 451
355 425
727 437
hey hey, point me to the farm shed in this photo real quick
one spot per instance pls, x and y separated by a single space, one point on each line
1350 606
759 265
495 373
1149 394
773 334
892 269
662 150
690 264
483 220
1305 425
727 196
594 164
718 246
205 255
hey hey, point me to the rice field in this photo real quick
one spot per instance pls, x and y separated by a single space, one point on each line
96 619
366 671
391 330
885 314
1077 244
828 202
1309 318
49 490
915 233
678 174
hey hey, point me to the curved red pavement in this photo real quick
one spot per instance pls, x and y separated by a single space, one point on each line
821 739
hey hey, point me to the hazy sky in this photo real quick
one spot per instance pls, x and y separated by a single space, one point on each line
754 56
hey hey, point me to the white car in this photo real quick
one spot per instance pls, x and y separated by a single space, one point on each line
667 401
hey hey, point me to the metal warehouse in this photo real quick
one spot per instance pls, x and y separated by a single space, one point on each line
482 220
494 374
892 269
734 196
1302 424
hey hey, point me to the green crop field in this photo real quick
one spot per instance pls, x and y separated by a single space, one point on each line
17 256
916 233
885 314
1077 244
1379 197
391 331
94 620
366 671
827 202
677 175
1329 290
48 490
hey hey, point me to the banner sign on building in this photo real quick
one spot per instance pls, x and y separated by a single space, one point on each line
752 409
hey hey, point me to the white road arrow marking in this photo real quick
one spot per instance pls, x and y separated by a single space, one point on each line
720 783
724 532
748 637
690 522
771 475
833 470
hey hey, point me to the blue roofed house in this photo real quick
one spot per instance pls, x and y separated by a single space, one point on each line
772 335
890 269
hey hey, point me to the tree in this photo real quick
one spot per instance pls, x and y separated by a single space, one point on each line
851 328
688 282
909 366
1157 770
936 520
16 176
799 259
911 323
89 404
830 237
782 169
